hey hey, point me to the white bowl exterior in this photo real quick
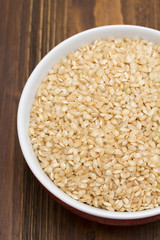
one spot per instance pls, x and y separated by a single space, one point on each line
28 95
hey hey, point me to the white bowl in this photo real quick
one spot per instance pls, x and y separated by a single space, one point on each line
25 104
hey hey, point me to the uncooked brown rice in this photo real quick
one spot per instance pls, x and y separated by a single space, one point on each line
95 124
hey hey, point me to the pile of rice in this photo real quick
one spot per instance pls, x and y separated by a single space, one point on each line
95 124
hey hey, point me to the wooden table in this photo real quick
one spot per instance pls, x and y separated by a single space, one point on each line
28 30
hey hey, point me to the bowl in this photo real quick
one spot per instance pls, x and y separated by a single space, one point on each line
23 118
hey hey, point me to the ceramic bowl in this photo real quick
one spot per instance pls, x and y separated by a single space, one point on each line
25 104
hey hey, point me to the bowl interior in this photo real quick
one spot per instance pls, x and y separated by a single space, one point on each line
28 95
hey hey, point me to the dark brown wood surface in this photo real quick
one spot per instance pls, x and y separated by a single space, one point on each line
28 30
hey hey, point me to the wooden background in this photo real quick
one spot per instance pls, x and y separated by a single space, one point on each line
28 30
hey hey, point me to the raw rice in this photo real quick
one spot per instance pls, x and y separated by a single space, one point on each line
95 124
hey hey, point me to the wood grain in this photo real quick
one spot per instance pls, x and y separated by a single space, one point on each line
28 30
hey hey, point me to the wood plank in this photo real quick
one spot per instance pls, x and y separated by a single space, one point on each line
80 16
108 12
9 76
